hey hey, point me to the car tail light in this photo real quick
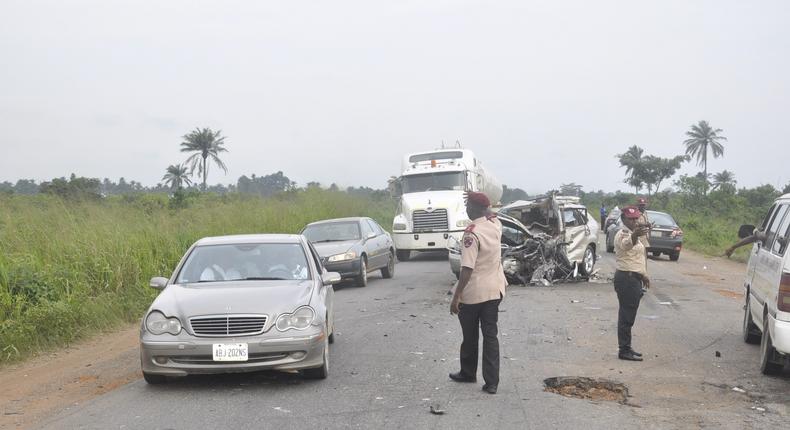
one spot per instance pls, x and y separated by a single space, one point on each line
677 233
783 301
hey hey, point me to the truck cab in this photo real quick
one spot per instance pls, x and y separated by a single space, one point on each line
432 207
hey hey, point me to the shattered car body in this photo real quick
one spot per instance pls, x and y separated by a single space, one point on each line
544 240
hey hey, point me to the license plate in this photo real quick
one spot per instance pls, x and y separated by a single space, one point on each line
230 352
656 233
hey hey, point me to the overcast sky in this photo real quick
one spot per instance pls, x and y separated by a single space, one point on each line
546 92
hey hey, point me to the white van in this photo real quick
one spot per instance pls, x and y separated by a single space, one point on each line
766 317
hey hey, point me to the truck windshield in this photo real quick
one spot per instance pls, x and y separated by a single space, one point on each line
433 182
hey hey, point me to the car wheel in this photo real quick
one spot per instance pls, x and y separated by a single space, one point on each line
389 271
403 255
768 364
751 334
332 334
319 372
674 256
154 379
609 248
362 279
588 261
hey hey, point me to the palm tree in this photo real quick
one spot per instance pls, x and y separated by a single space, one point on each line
724 180
701 138
633 162
204 143
177 176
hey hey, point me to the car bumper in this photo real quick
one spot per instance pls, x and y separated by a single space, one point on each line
424 241
665 244
294 350
780 335
347 269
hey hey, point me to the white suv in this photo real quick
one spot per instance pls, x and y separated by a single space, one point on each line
766 316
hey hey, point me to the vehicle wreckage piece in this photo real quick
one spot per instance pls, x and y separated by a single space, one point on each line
540 260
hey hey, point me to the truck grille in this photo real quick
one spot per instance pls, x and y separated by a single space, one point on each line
430 221
228 325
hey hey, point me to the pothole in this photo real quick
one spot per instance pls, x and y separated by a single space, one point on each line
581 387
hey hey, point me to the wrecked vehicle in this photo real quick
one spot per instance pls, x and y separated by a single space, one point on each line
544 240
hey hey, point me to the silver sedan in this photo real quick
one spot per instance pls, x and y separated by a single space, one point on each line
241 304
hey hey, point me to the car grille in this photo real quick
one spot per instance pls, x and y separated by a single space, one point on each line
430 221
228 325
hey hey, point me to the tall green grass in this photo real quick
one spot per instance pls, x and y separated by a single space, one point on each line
71 269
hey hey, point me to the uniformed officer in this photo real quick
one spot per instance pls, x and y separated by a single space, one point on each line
480 289
629 278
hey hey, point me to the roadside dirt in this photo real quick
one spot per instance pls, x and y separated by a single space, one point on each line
49 383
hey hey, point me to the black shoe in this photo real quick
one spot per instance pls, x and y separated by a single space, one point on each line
460 377
490 389
629 355
638 354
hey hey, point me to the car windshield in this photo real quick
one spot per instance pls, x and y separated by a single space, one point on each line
660 218
245 262
332 232
433 182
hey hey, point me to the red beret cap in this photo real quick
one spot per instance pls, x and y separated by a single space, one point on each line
631 212
478 199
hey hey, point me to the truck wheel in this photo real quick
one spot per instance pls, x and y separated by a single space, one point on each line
389 270
674 256
768 363
403 255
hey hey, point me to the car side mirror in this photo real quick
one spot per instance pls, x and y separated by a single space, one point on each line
746 230
371 235
158 283
330 278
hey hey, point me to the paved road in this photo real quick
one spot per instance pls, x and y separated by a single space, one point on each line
396 343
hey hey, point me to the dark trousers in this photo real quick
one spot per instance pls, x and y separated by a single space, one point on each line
475 318
628 286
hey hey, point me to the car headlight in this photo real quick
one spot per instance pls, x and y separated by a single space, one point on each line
398 226
300 319
350 255
463 223
158 323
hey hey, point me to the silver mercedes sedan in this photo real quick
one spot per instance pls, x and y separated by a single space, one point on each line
241 304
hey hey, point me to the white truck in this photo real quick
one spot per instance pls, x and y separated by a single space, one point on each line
432 207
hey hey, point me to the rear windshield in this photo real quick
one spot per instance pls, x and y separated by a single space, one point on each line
245 262
332 232
660 218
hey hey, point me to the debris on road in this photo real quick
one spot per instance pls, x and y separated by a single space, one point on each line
718 354
738 390
436 409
